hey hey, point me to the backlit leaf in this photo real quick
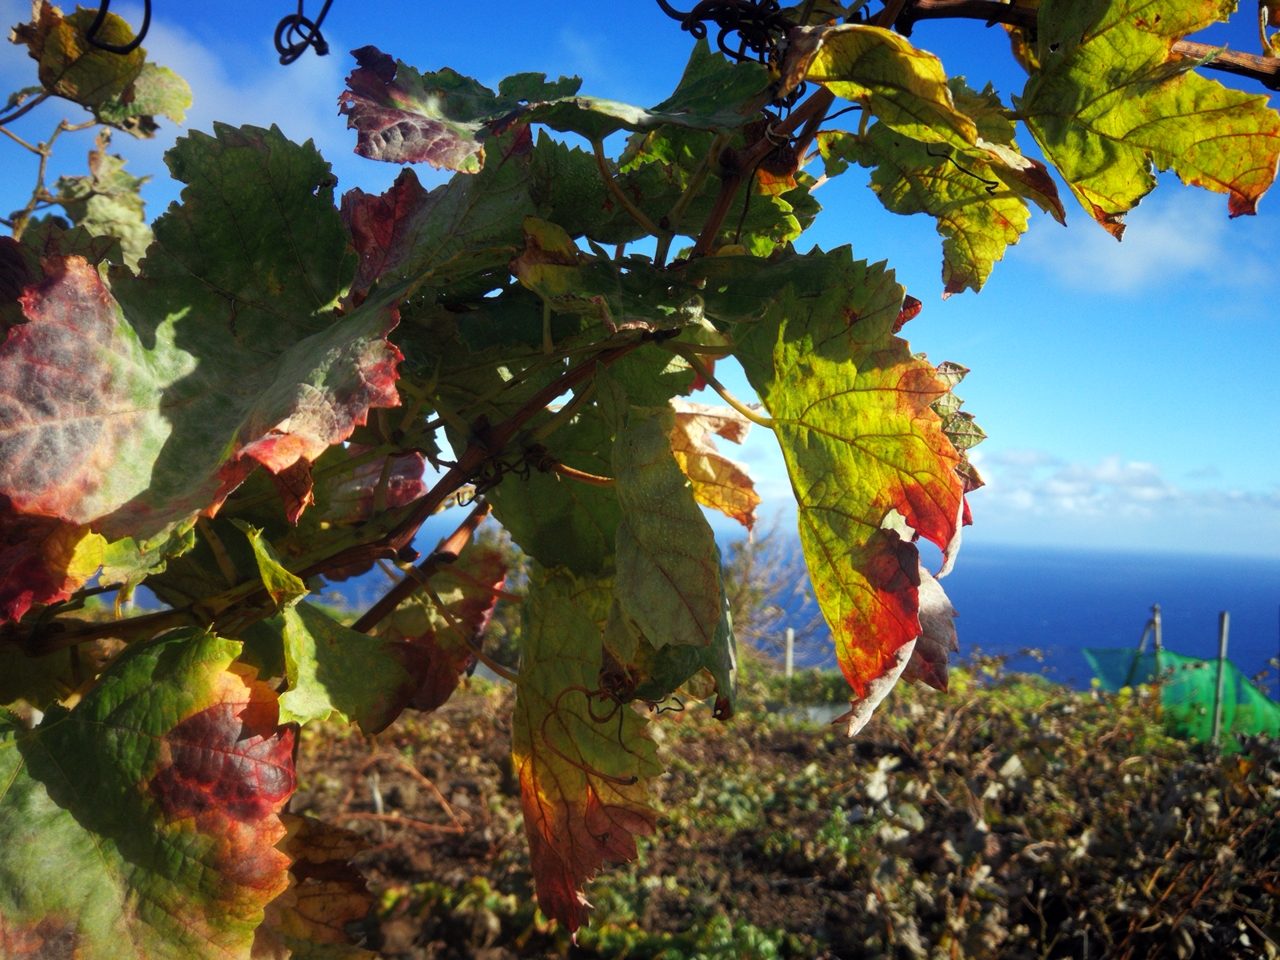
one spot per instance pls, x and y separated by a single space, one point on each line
978 216
906 88
156 91
583 760
70 66
466 588
1110 104
852 411
333 671
718 482
42 559
668 580
441 118
142 823
107 202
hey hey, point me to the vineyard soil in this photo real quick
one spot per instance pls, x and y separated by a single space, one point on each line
1079 831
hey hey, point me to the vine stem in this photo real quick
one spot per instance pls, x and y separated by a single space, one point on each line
705 372
472 645
582 476
444 554
638 215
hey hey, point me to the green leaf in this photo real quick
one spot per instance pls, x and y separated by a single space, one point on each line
582 757
668 581
1110 104
558 521
220 357
904 87
335 671
156 91
108 202
627 294
441 118
700 672
407 231
285 588
709 97
142 822
978 216
851 409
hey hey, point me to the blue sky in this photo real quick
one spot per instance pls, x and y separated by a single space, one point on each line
1130 390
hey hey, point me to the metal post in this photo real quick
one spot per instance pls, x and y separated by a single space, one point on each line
791 652
1158 634
1224 622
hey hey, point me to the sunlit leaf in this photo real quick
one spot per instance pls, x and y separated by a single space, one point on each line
905 87
852 411
718 482
1110 104
172 387
142 823
333 671
583 759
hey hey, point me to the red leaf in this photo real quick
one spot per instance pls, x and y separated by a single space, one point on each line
38 560
383 228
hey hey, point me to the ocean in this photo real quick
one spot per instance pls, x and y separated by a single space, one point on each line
1059 601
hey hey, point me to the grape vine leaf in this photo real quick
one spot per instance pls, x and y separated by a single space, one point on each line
42 559
156 91
582 782
441 118
107 202
325 893
718 482
42 680
937 641
142 822
562 522
906 88
173 386
1110 103
626 294
668 581
70 66
852 411
123 90
408 231
466 588
978 216
334 671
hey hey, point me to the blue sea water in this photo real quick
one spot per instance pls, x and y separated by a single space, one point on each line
1060 601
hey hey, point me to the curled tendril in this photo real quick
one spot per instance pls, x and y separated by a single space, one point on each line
295 33
616 710
92 33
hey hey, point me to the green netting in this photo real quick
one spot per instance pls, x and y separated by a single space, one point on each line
1186 692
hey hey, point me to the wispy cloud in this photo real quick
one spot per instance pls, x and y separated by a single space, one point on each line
1032 497
1176 234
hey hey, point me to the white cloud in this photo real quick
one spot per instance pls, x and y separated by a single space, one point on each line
1034 498
1177 234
